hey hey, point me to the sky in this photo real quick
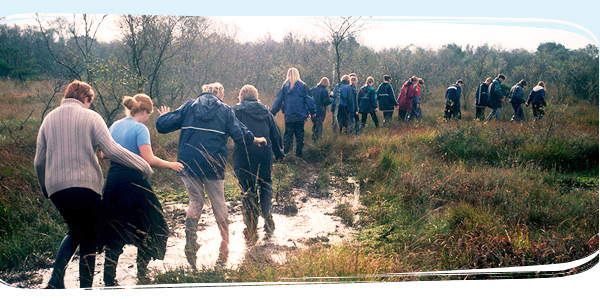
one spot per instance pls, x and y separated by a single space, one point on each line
507 23
387 32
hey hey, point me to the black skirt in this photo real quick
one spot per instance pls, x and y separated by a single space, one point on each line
131 213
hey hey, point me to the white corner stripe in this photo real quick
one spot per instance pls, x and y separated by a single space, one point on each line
203 129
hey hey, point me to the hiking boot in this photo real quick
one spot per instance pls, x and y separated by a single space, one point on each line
269 226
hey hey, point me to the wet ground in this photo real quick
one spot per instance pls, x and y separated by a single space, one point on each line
314 222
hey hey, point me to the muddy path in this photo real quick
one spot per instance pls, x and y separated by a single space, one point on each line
312 219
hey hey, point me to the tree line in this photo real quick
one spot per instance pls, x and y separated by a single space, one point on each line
170 57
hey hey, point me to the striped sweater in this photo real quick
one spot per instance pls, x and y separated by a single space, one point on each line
66 150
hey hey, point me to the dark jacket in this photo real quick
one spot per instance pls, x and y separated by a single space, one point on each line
517 96
348 97
205 124
453 94
481 96
385 97
367 99
295 104
495 95
406 96
321 97
259 120
537 96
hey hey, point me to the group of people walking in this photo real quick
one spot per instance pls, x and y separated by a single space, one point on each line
489 94
124 210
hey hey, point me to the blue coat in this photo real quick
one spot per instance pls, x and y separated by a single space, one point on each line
537 96
321 97
348 98
367 99
385 97
295 103
205 124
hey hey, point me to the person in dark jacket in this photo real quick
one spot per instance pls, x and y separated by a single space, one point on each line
252 164
517 97
481 99
453 101
367 102
322 99
205 123
405 100
296 106
386 98
495 97
537 99
355 119
342 104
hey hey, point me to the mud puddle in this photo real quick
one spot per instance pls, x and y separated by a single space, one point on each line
314 222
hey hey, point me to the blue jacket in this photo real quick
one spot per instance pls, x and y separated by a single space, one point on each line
453 93
367 99
481 96
205 124
385 97
321 97
348 98
295 103
537 96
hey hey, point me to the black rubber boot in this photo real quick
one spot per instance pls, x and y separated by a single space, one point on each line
65 252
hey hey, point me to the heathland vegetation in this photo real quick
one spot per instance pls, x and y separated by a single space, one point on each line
435 195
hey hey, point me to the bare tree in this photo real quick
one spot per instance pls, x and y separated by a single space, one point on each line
339 29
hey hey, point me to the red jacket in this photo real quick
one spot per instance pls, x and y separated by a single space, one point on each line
406 95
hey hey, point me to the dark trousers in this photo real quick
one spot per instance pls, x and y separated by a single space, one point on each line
538 110
480 113
373 116
519 115
387 116
343 118
293 129
111 258
80 207
403 115
452 110
257 192
317 130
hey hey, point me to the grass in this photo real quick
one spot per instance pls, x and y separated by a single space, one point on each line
435 196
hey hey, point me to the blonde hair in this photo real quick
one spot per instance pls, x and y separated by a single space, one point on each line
346 78
370 80
248 91
542 84
137 103
214 88
324 82
353 79
293 75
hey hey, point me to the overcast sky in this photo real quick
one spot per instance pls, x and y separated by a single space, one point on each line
387 32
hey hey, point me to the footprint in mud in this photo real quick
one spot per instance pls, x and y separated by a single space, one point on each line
309 220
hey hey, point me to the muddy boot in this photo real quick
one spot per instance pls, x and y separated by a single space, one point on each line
191 245
250 234
269 226
223 254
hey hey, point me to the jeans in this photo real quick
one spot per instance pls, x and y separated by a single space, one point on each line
496 112
293 129
416 113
